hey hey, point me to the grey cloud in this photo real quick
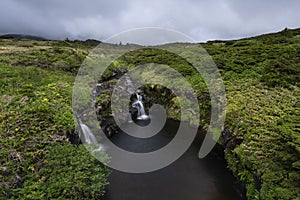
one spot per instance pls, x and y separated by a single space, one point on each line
201 20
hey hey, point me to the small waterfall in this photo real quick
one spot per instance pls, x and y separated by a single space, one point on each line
88 137
138 104
87 134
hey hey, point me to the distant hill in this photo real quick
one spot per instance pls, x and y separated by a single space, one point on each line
284 33
88 42
277 37
21 36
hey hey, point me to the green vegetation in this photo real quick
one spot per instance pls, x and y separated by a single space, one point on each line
37 161
262 87
261 133
267 122
261 79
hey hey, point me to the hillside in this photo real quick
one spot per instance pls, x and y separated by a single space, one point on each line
261 135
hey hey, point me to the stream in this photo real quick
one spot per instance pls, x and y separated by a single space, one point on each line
188 178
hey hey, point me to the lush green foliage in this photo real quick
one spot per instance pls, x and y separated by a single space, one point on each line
66 172
267 122
261 76
262 87
64 55
272 59
35 115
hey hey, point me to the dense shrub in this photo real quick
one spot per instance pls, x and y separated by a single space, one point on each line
65 172
36 160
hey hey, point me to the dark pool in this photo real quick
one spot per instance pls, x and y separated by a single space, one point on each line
189 178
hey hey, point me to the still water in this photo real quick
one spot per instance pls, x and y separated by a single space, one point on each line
188 178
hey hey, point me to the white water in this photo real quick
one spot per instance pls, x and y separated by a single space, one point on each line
138 104
88 135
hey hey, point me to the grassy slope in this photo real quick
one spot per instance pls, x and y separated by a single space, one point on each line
37 161
261 78
262 82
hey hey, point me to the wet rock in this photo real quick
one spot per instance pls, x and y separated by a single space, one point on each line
73 136
109 126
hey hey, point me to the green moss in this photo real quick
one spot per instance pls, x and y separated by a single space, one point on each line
64 172
35 114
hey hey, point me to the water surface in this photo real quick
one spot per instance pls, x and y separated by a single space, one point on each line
188 178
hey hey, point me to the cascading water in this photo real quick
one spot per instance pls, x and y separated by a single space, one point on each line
88 135
138 104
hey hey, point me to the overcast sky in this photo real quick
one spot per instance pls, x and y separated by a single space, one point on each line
99 19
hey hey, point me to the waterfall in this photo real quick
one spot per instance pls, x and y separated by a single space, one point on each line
138 104
87 134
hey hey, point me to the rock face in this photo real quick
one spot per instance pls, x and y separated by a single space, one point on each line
151 94
103 110
102 95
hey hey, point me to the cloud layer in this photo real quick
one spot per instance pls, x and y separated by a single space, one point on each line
98 19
